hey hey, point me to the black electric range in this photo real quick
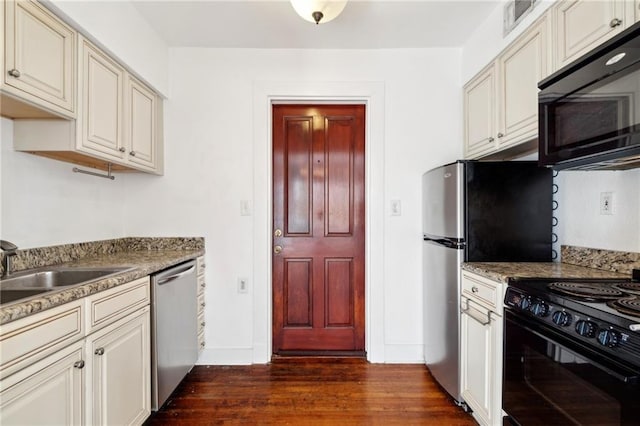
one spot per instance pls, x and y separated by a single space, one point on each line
572 352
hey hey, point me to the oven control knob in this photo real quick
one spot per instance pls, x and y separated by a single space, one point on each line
525 303
561 318
540 309
586 328
609 338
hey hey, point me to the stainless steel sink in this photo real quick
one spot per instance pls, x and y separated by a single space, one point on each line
30 283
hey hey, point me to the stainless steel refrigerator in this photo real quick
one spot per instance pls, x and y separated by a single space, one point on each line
475 211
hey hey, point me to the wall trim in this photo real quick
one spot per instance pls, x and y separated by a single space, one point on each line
265 94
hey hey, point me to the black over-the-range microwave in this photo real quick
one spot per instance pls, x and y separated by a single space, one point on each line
589 110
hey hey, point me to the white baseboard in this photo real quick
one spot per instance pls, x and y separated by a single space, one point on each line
226 356
403 354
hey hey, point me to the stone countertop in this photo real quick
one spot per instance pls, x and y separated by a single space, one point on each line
502 271
141 262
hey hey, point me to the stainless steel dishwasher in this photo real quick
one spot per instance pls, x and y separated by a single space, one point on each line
174 329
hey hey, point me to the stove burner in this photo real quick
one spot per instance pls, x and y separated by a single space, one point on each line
588 292
630 288
627 305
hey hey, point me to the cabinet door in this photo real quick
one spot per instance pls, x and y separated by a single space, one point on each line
141 124
521 66
637 10
480 376
119 382
479 113
48 392
101 104
581 25
40 57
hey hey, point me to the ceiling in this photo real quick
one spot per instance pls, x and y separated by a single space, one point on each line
364 24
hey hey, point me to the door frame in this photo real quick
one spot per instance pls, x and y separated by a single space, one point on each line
265 94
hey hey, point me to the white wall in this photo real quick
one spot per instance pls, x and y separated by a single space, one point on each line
209 169
118 27
44 203
581 223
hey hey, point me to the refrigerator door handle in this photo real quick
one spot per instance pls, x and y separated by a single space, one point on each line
455 243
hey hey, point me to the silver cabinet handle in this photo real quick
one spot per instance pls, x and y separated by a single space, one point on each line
491 139
202 324
14 73
615 22
132 153
99 351
474 289
202 285
202 305
121 149
79 364
202 345
500 135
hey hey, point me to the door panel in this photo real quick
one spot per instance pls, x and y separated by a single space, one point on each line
318 211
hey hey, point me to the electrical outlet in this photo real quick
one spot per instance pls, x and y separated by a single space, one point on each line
606 203
243 285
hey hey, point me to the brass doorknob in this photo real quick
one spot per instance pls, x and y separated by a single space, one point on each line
277 233
277 249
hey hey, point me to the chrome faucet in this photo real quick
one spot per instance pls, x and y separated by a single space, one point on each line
9 250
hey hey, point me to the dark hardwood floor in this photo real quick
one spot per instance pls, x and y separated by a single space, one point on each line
308 391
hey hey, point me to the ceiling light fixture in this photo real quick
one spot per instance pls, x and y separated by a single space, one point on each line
318 11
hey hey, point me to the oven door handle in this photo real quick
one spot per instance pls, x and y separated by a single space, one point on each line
624 375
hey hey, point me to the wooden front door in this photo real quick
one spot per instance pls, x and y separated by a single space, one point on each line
318 228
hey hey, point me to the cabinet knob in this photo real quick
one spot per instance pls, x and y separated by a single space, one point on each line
491 139
202 305
79 364
202 324
132 153
615 22
500 135
14 73
121 149
99 351
474 289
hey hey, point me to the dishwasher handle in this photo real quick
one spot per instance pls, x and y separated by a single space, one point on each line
177 275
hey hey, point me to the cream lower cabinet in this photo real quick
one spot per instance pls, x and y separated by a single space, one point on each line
39 62
481 348
96 367
48 392
119 372
201 286
501 102
581 25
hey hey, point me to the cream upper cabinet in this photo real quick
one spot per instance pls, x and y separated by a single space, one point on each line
47 392
119 372
479 112
141 130
520 67
101 103
481 332
501 102
39 62
581 25
637 10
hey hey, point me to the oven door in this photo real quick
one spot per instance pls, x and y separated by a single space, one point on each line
551 380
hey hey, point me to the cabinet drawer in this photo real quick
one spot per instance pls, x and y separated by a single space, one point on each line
201 285
33 338
201 304
201 341
482 290
108 306
201 322
200 265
